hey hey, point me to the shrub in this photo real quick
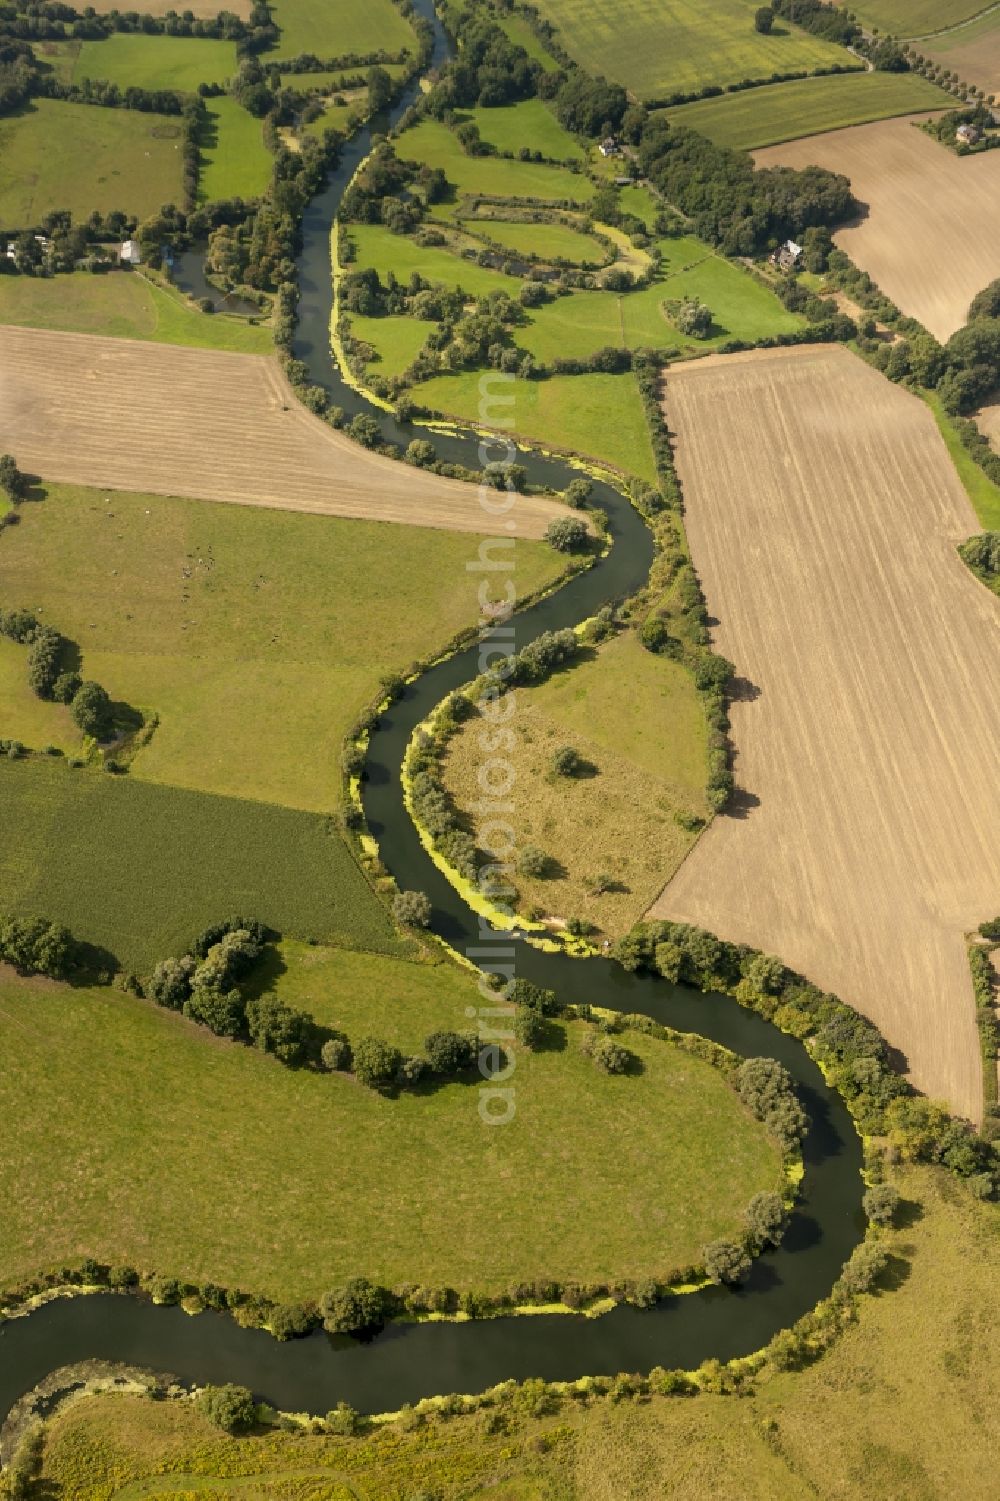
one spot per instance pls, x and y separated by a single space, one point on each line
229 1407
880 1203
342 1420
609 1056
693 318
868 1262
567 762
356 1307
577 493
725 1261
376 1062
412 909
276 1028
450 1052
290 1321
170 983
763 20
525 993
420 452
35 946
532 861
567 534
765 1217
335 1054
223 1012
530 1028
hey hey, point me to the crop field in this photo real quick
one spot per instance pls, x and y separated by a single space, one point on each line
807 106
379 247
636 720
529 123
657 52
240 628
239 1198
138 869
55 155
597 416
358 26
971 50
89 411
931 234
491 175
123 305
156 62
551 241
823 512
907 18
235 163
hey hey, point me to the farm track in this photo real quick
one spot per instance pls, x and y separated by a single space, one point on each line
127 415
931 236
823 512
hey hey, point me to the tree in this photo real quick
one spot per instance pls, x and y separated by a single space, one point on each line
290 1321
567 534
412 909
566 761
379 90
420 453
170 983
765 1087
763 20
765 1217
91 711
222 1011
356 1307
365 430
693 318
533 862
577 493
335 1054
530 1028
376 1062
609 1056
13 483
230 1407
276 1028
868 1261
525 993
450 1052
881 1202
725 1261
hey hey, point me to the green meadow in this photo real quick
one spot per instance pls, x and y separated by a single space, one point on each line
522 35
396 340
379 247
529 123
655 51
255 635
156 62
807 106
597 416
906 18
211 1161
235 163
55 155
123 304
138 869
555 242
351 26
437 146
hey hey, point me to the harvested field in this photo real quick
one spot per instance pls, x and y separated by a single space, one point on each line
931 235
212 426
823 514
972 50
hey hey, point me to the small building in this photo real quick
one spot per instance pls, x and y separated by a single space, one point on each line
130 254
967 135
609 146
786 257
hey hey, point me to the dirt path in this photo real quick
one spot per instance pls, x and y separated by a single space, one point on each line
930 236
823 513
134 416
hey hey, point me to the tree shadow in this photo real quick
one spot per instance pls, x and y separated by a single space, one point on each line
265 974
908 1213
893 1276
743 691
741 803
92 965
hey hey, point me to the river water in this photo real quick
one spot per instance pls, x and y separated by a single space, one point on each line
409 1361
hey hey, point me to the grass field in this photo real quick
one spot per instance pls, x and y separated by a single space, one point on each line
397 340
931 235
235 163
436 145
655 52
239 1197
255 635
981 490
72 156
156 62
637 719
126 306
209 8
785 111
808 469
899 1407
358 26
233 430
905 18
522 35
139 869
59 56
599 416
550 241
23 715
379 247
529 123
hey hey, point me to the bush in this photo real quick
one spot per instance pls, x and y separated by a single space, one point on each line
567 762
530 1028
412 909
450 1052
609 1056
880 1203
577 493
532 861
868 1262
170 983
356 1307
229 1407
376 1062
525 993
276 1028
763 20
725 1261
335 1054
290 1321
35 946
567 534
765 1217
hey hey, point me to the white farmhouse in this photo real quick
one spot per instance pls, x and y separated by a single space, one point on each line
129 253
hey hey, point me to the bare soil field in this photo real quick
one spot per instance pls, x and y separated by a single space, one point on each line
972 50
823 513
122 414
931 235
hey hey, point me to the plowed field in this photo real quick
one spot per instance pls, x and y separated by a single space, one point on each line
823 513
171 421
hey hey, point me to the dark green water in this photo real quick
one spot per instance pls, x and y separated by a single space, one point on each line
407 1362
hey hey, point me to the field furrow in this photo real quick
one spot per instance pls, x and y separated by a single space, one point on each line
171 421
823 513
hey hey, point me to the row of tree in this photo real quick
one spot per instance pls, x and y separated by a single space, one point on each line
49 677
